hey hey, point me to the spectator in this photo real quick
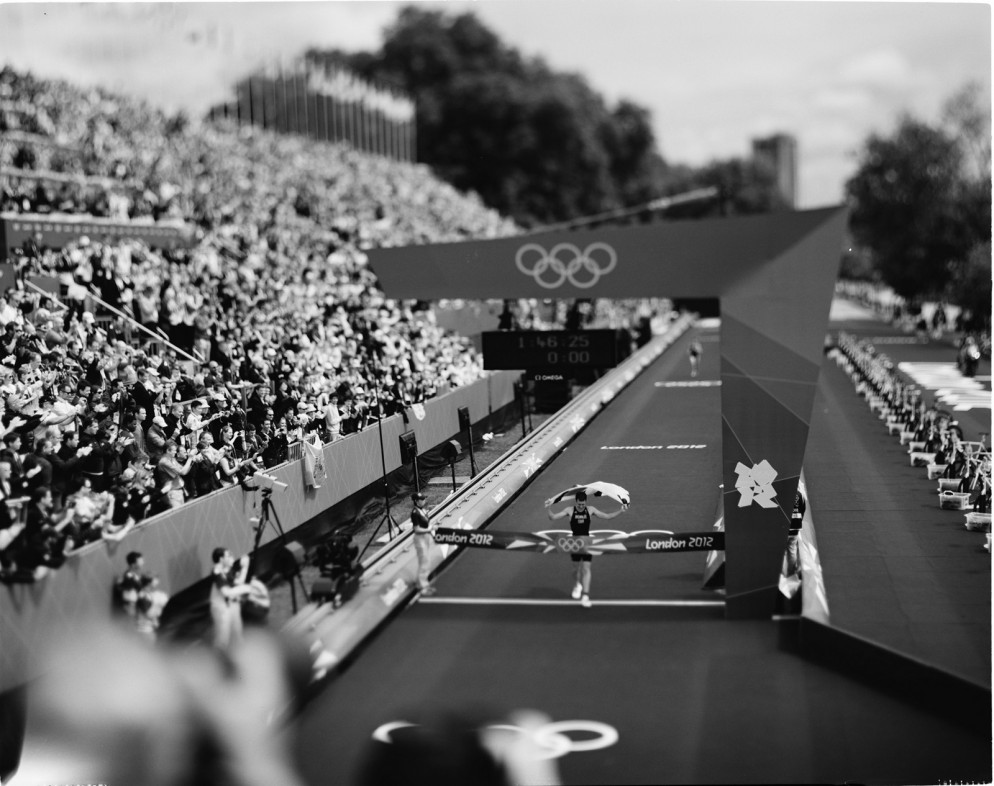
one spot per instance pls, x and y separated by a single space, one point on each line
198 418
174 420
68 475
101 463
156 437
205 466
247 447
170 474
11 526
333 419
131 442
11 455
277 445
7 489
44 542
230 467
91 515
60 454
37 467
132 493
145 393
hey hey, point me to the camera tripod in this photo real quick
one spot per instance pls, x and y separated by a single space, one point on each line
393 528
269 517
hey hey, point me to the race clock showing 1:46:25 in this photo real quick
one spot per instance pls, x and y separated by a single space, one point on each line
549 349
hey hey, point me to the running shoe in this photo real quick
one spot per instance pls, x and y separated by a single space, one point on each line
577 591
585 601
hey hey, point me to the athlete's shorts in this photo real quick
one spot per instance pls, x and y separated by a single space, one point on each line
581 557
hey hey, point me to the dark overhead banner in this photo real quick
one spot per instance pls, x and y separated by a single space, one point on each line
774 275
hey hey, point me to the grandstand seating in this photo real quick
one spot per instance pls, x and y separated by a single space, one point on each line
263 320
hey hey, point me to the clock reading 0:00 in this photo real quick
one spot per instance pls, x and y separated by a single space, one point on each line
573 357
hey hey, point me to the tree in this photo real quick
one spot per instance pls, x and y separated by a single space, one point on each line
535 144
971 285
637 168
905 207
968 120
745 186
921 203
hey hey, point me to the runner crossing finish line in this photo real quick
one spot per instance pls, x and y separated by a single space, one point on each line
648 542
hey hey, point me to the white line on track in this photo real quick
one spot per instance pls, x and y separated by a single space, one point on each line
553 602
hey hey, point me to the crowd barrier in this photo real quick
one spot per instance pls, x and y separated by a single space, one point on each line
937 690
177 544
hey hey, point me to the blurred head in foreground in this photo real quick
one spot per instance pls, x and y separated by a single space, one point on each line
456 749
112 709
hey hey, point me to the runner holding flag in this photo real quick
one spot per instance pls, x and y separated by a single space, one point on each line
580 515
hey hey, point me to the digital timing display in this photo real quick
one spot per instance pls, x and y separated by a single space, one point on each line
547 349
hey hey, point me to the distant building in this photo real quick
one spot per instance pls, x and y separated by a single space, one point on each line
780 151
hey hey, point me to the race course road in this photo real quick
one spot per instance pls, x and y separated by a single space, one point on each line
692 698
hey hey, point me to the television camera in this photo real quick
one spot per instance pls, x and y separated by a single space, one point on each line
341 574
268 482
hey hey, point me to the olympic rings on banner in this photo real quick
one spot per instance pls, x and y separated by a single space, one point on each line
552 737
572 545
551 269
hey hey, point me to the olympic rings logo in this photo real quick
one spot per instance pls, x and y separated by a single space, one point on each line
571 544
552 738
566 263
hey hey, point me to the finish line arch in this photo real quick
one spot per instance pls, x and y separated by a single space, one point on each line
774 276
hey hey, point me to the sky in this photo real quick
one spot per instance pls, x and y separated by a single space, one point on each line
715 74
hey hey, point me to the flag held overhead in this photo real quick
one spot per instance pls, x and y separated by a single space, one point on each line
596 489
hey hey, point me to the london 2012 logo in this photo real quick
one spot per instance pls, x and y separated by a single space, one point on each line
566 262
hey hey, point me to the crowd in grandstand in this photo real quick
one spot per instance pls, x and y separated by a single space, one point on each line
148 377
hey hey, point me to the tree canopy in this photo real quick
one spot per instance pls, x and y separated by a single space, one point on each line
921 203
538 145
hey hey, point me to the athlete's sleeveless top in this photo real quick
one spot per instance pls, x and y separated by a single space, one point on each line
579 522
